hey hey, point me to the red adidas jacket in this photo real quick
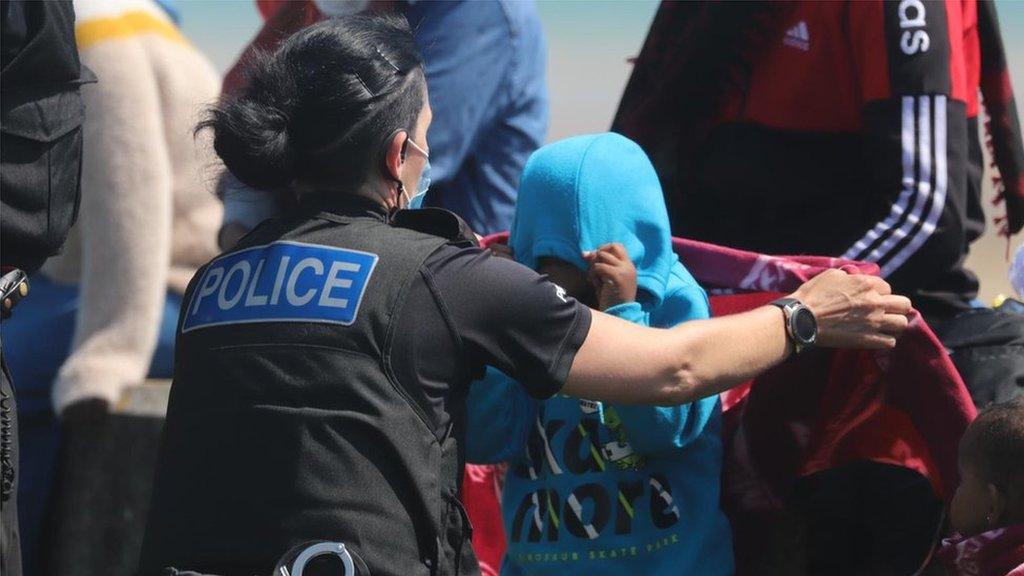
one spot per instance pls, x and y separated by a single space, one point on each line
853 133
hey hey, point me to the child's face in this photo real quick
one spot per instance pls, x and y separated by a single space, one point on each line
569 277
974 502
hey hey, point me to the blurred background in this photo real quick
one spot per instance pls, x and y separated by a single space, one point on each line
590 42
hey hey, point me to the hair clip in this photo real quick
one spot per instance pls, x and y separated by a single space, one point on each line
364 84
386 59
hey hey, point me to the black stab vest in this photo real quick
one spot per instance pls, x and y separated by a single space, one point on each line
286 431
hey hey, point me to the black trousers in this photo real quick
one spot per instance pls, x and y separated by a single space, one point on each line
987 346
10 544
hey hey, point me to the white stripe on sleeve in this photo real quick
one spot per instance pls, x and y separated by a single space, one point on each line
908 145
924 184
939 197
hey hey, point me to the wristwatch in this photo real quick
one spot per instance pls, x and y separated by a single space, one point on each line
801 325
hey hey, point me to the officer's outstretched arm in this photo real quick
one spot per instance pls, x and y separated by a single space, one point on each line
625 363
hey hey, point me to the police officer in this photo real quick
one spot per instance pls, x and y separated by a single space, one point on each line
322 364
41 114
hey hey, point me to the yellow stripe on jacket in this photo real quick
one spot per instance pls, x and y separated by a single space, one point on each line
126 25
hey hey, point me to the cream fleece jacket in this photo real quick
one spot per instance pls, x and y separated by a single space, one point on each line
148 217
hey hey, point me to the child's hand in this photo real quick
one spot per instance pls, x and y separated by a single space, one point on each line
613 275
501 251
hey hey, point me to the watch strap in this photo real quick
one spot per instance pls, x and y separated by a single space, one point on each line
788 305
785 302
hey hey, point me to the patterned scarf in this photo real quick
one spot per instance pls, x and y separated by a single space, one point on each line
997 552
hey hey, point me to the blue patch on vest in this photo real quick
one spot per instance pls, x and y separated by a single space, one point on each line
281 282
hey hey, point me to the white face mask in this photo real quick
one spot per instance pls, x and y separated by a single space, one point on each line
336 8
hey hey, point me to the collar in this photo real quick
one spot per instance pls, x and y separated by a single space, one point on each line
344 205
433 221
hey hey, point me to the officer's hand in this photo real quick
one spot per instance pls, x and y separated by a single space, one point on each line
501 251
854 310
612 274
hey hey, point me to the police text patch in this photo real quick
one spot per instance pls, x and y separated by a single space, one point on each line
281 282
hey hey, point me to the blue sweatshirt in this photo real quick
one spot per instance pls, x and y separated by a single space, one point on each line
594 488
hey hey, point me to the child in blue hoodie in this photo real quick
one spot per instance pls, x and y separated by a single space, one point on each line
594 488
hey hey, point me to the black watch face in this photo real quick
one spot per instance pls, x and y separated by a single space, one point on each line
805 327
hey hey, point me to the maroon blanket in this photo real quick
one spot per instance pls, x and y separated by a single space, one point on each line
907 406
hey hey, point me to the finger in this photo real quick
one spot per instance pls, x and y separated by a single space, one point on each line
606 272
594 256
878 285
896 304
619 250
607 257
612 250
868 340
893 324
833 273
876 342
602 269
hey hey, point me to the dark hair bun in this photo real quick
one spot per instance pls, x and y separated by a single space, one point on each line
317 110
251 137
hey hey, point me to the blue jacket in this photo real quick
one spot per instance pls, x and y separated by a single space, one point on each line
594 488
486 72
489 93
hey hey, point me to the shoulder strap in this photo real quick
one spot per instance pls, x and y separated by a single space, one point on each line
437 222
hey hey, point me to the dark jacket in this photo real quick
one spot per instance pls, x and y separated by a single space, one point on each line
846 129
41 115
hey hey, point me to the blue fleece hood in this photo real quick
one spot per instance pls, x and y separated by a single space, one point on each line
582 192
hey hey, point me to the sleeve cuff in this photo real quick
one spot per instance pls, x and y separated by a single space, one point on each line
103 384
560 368
629 311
